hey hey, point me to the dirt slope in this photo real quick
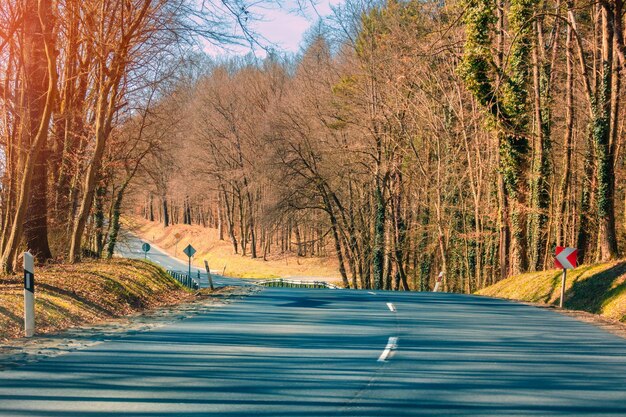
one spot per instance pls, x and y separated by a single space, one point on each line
90 292
220 256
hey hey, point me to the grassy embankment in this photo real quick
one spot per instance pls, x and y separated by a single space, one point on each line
90 292
219 254
598 289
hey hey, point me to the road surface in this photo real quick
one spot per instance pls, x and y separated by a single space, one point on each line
297 352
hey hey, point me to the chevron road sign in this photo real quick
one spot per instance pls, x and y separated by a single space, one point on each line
565 258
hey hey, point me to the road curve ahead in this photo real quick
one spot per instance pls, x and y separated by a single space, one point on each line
286 352
130 246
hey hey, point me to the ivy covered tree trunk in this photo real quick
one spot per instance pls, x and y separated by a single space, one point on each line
569 131
99 219
514 149
507 104
115 222
605 175
540 196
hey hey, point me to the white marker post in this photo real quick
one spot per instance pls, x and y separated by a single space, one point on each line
438 283
29 295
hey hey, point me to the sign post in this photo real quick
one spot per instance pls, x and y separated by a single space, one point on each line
189 251
438 283
145 248
29 295
208 272
565 258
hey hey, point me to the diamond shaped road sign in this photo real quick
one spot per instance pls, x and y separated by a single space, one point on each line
189 251
566 258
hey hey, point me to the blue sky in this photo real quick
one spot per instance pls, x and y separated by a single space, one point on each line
286 29
282 24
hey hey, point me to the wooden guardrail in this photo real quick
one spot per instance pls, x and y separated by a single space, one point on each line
184 279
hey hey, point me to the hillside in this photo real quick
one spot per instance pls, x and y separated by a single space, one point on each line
598 289
219 254
90 292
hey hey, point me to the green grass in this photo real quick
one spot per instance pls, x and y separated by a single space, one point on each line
598 289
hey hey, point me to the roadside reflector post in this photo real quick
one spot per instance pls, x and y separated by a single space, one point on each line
208 272
29 295
438 283
565 258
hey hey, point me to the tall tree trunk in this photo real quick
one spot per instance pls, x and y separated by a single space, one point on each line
220 217
115 220
540 197
38 30
99 219
35 89
166 213
36 221
379 238
151 207
104 114
335 230
569 131
605 176
230 219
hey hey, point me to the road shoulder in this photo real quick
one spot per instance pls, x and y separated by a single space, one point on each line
17 352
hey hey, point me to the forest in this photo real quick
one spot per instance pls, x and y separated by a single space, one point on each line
406 138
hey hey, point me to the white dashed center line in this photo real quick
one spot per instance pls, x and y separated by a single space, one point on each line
391 345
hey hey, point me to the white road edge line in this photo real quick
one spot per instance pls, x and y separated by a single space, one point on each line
391 307
391 345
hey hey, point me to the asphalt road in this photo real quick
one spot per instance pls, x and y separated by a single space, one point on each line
286 352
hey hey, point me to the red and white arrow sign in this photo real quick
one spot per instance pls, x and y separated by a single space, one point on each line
566 258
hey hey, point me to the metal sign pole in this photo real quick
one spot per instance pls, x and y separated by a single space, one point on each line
29 295
563 287
189 251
